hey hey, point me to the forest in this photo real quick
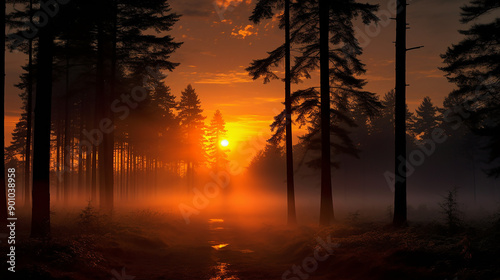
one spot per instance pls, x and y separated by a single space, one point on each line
139 143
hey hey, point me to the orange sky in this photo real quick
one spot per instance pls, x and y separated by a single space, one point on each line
220 42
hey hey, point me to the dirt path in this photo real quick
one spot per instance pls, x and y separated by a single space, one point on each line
216 250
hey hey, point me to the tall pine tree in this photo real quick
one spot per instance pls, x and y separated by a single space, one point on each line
473 65
191 119
426 119
216 132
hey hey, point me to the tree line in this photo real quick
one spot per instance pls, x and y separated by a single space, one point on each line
99 122
319 35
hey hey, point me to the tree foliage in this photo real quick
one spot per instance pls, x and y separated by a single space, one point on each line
473 65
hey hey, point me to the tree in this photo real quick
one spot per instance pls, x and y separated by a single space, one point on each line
191 119
326 215
216 132
3 190
426 119
473 65
400 207
344 69
263 9
105 89
40 221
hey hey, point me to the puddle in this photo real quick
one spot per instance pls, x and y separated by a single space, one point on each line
222 270
219 246
246 251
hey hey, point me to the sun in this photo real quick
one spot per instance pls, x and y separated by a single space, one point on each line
224 143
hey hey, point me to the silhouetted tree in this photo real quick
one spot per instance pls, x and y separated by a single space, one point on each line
400 205
345 66
264 9
216 132
3 190
473 66
426 119
326 214
385 122
40 222
191 119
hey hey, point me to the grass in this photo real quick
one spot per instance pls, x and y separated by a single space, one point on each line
156 245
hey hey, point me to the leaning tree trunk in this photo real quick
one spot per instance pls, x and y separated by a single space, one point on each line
292 217
326 207
40 222
400 118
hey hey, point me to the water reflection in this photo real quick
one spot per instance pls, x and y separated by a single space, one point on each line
219 246
223 272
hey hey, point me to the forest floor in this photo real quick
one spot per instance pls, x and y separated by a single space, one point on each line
150 245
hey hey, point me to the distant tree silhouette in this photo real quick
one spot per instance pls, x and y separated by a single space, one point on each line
18 144
426 119
191 119
385 121
216 132
269 165
473 66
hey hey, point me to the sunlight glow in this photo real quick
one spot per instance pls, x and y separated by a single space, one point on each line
224 143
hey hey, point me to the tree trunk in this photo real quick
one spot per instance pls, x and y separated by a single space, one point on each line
400 118
292 217
81 186
105 89
67 137
3 197
29 116
58 155
326 208
40 222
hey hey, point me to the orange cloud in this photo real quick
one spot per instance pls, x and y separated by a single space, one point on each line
242 32
231 77
234 3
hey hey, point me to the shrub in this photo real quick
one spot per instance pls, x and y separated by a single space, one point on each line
451 210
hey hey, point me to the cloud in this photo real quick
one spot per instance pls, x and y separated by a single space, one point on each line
233 3
242 32
434 73
376 78
268 99
193 8
208 54
231 77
